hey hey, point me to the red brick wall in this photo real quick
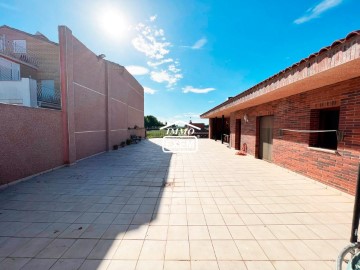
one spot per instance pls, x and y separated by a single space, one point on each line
31 141
291 149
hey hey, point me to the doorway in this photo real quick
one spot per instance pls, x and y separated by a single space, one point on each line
238 134
266 137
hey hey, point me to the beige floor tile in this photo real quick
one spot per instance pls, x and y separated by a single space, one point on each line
32 247
128 250
204 265
80 249
250 250
104 249
194 209
177 265
95 265
303 232
322 250
13 263
196 219
231 265
226 250
56 248
257 265
38 264
160 220
261 232
275 250
115 232
240 232
177 250
198 233
232 219
157 233
153 250
149 265
214 219
286 265
177 219
251 219
282 232
122 264
201 250
136 232
67 264
299 250
178 233
315 265
178 209
219 232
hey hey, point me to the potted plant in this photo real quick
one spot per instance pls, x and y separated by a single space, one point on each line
115 147
128 142
122 144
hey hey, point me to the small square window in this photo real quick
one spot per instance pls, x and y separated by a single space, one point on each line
326 120
19 46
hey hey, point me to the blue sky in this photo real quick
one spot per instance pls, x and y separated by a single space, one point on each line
192 55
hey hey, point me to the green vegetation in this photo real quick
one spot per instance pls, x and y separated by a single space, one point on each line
152 122
156 133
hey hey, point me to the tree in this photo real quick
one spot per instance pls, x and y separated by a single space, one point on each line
151 121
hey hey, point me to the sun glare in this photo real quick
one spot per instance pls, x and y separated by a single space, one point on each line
113 23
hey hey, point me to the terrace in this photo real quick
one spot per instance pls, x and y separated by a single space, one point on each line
139 208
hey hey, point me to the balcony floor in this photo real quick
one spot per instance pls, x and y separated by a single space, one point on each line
216 211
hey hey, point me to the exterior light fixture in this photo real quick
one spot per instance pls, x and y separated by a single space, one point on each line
246 118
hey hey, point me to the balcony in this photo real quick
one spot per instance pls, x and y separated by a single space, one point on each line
16 51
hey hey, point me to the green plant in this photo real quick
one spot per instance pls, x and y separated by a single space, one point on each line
122 144
128 141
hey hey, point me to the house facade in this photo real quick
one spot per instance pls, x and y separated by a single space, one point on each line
29 63
305 118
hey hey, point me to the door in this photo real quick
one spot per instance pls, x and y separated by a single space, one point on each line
238 134
266 137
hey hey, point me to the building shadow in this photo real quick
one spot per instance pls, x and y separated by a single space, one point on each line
75 216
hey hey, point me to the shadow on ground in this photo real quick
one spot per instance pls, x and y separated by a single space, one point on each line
76 217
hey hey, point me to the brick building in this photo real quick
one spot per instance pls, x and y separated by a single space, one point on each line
305 118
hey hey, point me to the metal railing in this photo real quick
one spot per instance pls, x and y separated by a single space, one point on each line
13 50
48 97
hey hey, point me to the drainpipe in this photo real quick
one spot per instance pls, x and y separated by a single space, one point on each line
222 128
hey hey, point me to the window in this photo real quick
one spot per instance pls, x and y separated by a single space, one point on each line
324 119
9 71
19 46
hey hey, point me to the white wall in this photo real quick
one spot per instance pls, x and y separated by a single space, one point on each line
19 92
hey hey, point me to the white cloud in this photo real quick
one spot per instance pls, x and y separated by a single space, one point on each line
148 90
150 41
191 89
165 76
137 70
153 18
155 64
316 11
199 44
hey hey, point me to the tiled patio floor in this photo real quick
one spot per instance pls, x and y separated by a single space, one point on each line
217 211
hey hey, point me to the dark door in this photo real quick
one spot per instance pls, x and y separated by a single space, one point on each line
238 134
266 137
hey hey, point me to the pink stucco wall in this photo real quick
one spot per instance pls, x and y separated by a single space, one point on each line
31 141
107 100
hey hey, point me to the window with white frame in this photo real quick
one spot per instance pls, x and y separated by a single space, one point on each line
19 46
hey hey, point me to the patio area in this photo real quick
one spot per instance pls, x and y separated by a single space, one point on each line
140 208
